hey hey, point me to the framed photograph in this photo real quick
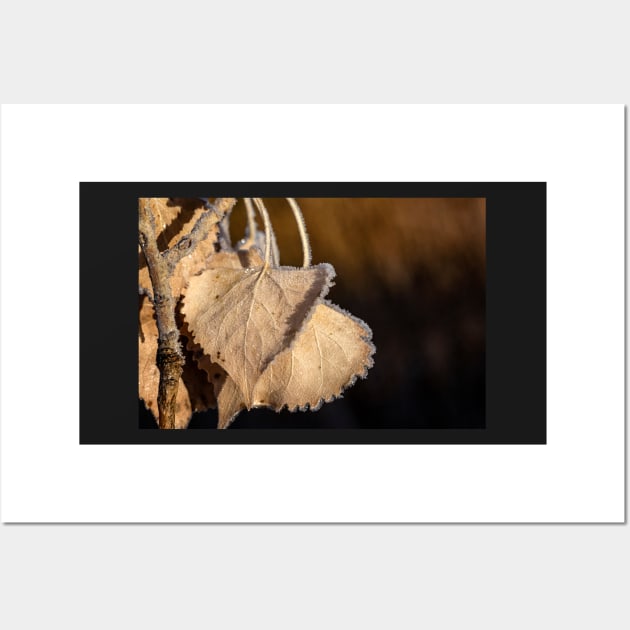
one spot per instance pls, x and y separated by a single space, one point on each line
425 285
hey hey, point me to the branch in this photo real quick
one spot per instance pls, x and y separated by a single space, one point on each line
186 245
170 360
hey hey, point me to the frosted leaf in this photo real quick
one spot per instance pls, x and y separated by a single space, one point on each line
243 319
229 400
332 350
227 395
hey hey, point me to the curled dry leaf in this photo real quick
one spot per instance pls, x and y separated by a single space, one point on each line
244 317
329 354
199 391
203 361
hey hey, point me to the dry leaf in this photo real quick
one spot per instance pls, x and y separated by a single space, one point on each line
229 400
199 363
241 259
228 396
328 355
244 317
200 392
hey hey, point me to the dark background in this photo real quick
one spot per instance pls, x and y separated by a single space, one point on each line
460 352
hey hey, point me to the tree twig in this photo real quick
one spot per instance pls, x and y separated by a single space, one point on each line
170 359
186 245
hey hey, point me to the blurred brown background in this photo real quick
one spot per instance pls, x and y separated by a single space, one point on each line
415 271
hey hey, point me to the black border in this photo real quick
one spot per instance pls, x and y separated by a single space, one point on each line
515 313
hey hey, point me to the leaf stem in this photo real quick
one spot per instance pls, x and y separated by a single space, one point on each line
251 221
268 230
299 219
